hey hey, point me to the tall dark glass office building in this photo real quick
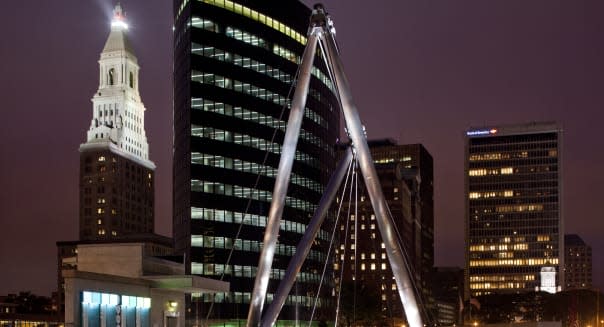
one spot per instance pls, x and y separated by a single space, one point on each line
513 194
234 65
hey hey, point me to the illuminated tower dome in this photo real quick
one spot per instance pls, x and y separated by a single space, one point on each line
116 175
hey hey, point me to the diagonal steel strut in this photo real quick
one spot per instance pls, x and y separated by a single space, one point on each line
288 154
378 202
321 30
270 317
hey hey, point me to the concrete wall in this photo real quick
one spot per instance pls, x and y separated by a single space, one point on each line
120 259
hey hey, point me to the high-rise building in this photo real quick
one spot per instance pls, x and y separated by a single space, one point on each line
577 263
513 192
234 65
406 176
116 175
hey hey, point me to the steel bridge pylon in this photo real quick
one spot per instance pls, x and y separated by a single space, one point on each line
322 32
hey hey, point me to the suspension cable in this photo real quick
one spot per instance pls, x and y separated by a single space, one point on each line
331 243
410 269
381 283
356 228
344 254
327 60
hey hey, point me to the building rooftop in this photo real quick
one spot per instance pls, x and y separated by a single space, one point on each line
512 129
573 240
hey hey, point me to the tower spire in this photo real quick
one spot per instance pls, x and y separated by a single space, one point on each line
119 18
118 111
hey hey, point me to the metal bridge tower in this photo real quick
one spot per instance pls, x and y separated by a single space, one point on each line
322 32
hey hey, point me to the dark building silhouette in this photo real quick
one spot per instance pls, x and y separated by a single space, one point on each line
116 194
577 263
26 309
513 207
447 289
406 177
234 65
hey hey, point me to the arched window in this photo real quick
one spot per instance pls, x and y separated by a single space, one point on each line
111 76
131 80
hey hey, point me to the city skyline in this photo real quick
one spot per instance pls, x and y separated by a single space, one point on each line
529 62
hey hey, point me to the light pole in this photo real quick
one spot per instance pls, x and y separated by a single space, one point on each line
598 307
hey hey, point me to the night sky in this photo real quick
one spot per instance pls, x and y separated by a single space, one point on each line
420 72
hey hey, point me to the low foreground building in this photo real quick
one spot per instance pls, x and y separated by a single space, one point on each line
119 285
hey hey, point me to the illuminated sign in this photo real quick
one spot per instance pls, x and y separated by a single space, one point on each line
479 132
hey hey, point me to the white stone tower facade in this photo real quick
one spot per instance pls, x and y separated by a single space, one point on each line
116 175
118 114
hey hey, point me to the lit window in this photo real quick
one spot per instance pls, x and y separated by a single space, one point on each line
383 266
507 170
101 158
477 172
373 266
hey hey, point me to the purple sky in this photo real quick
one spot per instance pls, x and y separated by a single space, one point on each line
421 72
